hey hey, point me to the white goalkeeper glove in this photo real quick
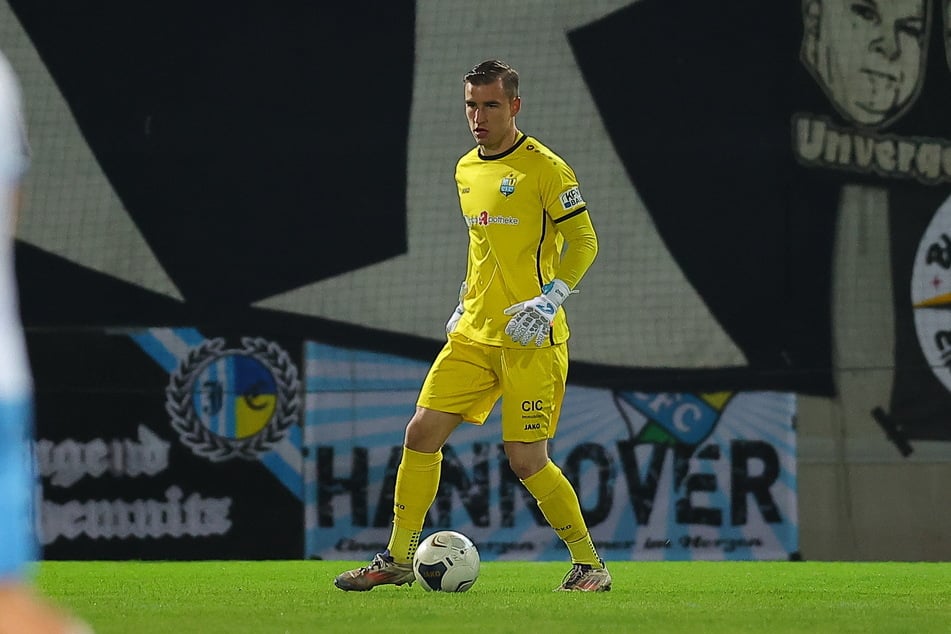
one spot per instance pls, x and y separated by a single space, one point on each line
457 314
532 318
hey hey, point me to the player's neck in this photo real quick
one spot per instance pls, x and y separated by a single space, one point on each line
508 141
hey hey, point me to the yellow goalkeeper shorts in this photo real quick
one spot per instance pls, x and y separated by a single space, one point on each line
467 378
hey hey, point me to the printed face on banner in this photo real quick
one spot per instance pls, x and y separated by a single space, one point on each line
867 56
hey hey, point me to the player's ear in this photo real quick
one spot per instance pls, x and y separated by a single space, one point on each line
516 105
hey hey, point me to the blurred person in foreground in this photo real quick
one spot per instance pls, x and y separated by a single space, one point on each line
22 609
530 242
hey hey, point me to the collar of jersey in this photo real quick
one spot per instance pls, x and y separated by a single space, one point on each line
514 147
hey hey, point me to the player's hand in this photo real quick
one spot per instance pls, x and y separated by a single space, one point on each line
531 319
457 314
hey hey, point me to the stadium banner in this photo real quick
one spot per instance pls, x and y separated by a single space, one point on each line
921 260
168 444
847 143
660 476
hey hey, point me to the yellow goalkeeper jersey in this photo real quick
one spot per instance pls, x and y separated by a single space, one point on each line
516 205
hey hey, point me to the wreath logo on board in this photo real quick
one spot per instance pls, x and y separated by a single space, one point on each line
234 402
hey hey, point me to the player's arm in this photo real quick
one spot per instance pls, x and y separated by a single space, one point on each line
531 319
581 246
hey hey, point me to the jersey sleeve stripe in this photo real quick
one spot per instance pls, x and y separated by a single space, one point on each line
574 213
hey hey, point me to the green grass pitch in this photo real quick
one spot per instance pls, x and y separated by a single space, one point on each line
298 597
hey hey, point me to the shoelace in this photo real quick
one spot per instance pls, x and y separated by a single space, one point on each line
377 563
576 573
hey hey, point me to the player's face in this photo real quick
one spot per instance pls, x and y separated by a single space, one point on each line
491 116
870 54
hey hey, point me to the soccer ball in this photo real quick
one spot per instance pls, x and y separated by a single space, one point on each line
446 561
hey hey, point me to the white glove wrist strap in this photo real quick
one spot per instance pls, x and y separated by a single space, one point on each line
556 291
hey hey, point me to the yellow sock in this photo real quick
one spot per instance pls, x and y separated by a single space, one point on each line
417 481
584 552
560 506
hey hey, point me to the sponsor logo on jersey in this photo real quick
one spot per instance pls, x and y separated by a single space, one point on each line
484 219
571 198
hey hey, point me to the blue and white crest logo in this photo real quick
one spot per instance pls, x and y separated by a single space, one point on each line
508 186
233 403
673 419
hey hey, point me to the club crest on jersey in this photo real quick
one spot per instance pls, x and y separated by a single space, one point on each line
508 186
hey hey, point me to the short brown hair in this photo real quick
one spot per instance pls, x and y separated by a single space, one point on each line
492 70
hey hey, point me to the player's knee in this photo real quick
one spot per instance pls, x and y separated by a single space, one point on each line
521 469
526 458
525 465
427 431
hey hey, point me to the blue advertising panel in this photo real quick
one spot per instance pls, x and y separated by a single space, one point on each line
664 476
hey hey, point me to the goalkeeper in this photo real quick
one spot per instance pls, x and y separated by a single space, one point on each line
530 242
